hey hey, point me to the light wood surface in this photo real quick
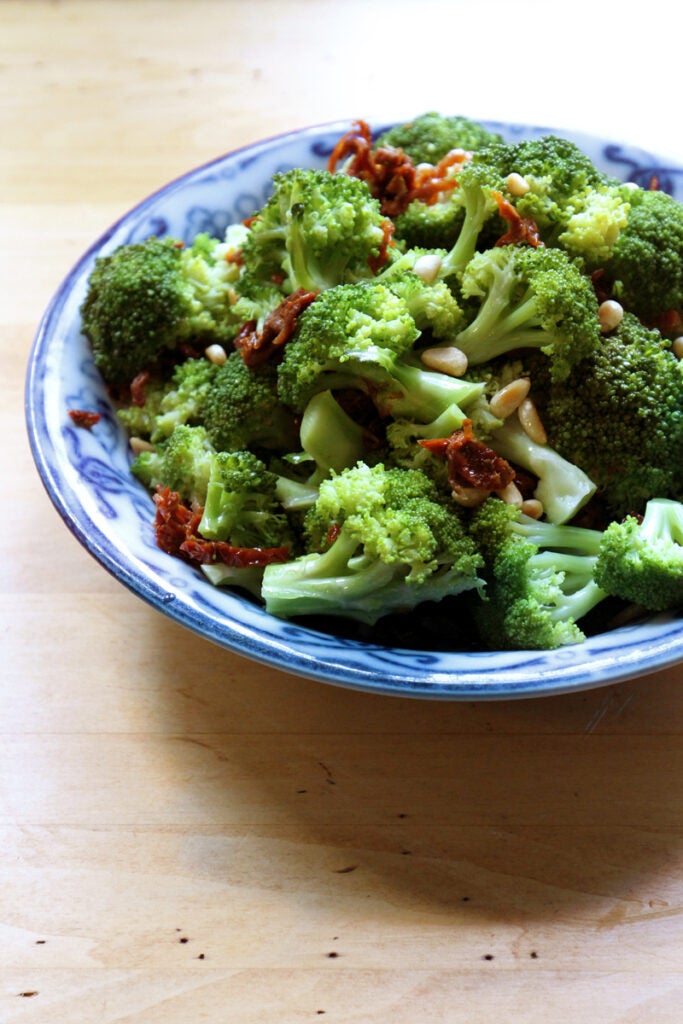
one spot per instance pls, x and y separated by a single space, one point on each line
186 836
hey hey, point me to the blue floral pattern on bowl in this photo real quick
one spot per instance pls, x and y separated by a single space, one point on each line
87 472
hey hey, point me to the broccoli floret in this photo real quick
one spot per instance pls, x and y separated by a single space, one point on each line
434 225
182 463
646 265
242 409
429 137
379 541
557 175
318 229
479 183
620 417
641 558
592 230
529 298
139 419
150 297
331 442
241 505
539 579
430 301
362 336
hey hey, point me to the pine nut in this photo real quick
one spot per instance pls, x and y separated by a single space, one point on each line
216 354
531 422
448 360
532 507
610 314
469 497
511 495
427 267
138 445
517 185
677 347
505 401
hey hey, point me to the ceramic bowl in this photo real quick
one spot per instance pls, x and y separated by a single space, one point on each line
86 472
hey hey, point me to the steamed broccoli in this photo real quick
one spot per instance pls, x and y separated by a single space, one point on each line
429 137
182 463
362 336
241 504
331 442
431 303
317 230
594 223
646 264
378 541
529 298
151 297
242 409
172 402
539 579
556 177
641 559
620 417
479 184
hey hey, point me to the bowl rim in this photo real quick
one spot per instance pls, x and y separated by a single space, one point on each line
298 649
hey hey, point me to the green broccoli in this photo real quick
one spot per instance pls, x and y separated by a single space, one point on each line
241 506
429 137
529 298
553 177
317 230
242 409
331 442
148 298
378 541
594 223
646 264
182 463
431 302
479 186
620 417
539 579
362 336
641 558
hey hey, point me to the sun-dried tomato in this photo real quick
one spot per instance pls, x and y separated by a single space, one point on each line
176 526
390 173
521 229
377 262
84 418
470 462
208 552
278 327
668 323
138 388
173 522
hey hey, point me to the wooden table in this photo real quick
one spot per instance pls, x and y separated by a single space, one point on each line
186 836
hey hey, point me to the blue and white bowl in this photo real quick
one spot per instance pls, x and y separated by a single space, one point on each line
87 473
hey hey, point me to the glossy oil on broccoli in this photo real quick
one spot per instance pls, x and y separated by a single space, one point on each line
378 541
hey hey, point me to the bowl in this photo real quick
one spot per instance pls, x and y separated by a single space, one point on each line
87 476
